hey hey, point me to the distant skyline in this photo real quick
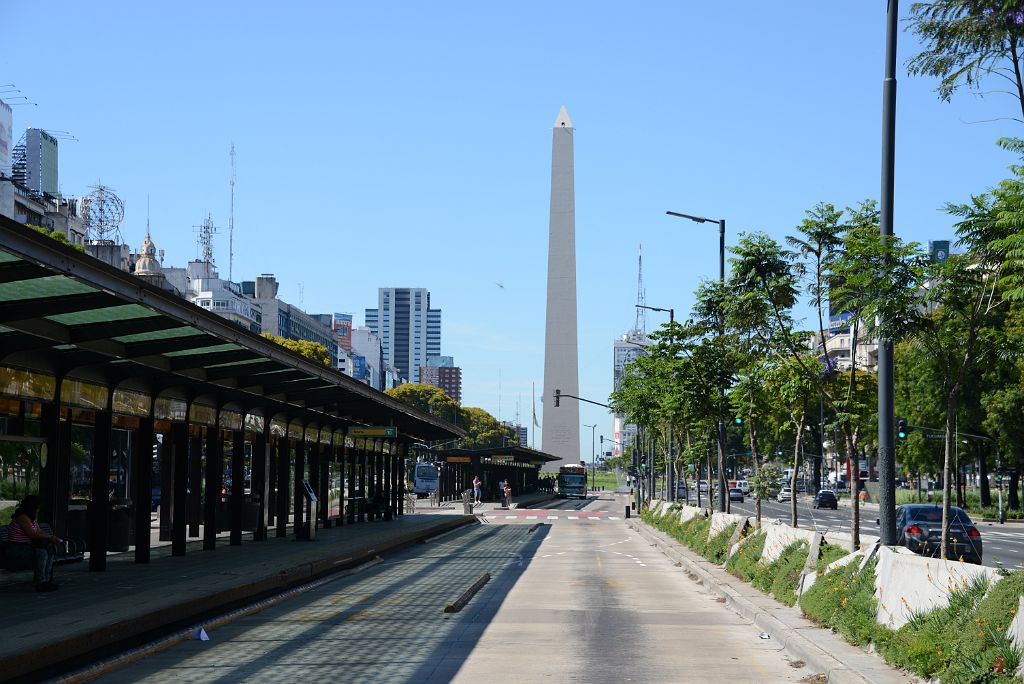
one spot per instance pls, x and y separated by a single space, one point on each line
409 145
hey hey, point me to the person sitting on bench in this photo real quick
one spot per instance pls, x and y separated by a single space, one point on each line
27 541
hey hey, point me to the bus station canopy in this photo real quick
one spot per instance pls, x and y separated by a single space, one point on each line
67 314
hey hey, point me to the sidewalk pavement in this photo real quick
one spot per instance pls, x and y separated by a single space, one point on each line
96 614
823 651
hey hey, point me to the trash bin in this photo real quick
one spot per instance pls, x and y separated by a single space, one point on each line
119 531
467 502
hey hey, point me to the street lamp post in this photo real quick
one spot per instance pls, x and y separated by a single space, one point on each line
592 469
723 497
886 447
670 486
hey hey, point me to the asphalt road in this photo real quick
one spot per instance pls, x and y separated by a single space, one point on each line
579 598
1003 545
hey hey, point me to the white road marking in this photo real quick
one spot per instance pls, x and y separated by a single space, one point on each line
531 517
613 517
572 517
552 517
511 517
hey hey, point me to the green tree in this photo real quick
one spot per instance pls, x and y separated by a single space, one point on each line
484 430
942 307
967 41
428 399
311 350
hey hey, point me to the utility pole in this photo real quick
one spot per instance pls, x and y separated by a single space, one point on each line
231 221
886 448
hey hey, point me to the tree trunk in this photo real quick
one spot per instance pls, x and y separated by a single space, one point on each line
793 520
947 474
986 493
757 469
851 457
819 439
711 489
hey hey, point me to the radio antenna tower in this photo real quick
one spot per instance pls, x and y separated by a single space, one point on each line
231 221
205 241
641 298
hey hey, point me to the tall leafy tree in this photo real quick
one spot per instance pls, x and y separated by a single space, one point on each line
943 307
968 43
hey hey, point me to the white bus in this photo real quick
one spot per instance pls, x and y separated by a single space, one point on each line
424 479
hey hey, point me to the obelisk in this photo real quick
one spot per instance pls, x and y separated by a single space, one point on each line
561 432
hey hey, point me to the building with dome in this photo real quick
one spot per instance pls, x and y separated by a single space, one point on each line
146 266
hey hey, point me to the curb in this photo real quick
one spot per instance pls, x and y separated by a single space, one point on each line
72 652
799 644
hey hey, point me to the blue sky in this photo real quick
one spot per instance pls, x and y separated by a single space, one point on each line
408 144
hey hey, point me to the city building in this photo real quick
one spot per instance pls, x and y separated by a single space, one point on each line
34 162
285 320
561 432
146 266
51 212
625 350
409 330
442 372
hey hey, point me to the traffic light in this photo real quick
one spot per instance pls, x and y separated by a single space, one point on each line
779 453
558 397
902 429
739 420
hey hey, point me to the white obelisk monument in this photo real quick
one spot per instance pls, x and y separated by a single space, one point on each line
561 431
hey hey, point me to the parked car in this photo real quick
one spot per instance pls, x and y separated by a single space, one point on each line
785 494
735 494
825 499
703 486
919 528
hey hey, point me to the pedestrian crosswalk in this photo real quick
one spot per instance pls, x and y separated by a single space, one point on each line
596 516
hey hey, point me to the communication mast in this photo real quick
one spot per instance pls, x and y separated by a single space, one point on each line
641 298
205 240
231 220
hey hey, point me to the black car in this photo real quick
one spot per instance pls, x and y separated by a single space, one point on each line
825 499
919 528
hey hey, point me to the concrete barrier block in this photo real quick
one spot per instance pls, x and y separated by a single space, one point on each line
1016 630
740 535
908 584
778 537
845 539
720 521
690 512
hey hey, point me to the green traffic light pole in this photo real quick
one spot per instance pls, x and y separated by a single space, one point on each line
984 438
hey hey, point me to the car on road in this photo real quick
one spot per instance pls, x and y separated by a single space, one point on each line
919 528
735 494
785 494
826 498
703 487
744 485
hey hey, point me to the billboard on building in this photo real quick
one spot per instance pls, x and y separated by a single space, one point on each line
359 367
6 137
343 329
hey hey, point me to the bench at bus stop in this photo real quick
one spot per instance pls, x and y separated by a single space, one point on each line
70 550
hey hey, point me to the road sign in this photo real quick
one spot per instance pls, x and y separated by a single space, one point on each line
935 435
391 432
459 459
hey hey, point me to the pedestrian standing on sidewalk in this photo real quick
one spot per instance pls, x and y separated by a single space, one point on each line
476 489
501 493
508 494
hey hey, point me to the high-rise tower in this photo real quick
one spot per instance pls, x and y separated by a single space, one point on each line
561 432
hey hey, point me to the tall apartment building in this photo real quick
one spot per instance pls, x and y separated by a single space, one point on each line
409 330
442 372
625 350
